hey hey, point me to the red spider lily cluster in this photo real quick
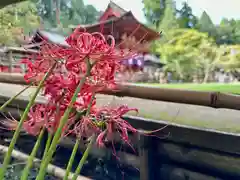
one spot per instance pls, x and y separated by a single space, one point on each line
87 55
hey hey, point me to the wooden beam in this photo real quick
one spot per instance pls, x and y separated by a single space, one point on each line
10 59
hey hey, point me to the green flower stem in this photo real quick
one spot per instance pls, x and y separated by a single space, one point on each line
19 127
84 158
90 104
74 152
14 97
32 156
71 160
47 145
63 121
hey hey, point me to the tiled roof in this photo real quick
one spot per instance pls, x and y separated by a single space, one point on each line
52 37
116 8
128 18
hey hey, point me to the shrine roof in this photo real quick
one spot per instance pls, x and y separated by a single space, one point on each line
116 7
54 38
127 23
112 10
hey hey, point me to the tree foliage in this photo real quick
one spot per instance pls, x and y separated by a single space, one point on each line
69 12
17 20
189 53
228 32
186 18
82 14
205 24
154 11
169 20
231 58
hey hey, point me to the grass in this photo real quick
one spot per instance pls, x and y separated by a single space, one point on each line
233 88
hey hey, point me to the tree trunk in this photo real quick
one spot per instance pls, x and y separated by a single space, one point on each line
206 75
179 70
57 12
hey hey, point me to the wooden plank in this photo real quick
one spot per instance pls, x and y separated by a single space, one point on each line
147 156
21 50
185 153
10 58
178 133
170 172
68 142
205 138
144 157
183 146
210 143
200 158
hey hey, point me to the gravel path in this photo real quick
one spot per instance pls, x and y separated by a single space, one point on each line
220 119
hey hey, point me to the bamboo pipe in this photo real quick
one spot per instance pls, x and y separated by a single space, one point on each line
12 78
210 99
51 169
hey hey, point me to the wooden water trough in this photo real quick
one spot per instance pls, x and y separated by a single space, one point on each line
183 153
176 152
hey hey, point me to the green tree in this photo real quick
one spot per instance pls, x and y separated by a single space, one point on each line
225 32
154 11
237 32
188 54
82 14
46 11
209 58
230 61
228 32
17 20
205 24
186 18
169 20
67 12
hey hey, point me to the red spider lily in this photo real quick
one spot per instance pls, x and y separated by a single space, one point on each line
90 44
35 121
86 127
60 89
84 100
41 116
60 86
51 123
104 123
94 47
114 123
103 75
32 71
33 124
39 64
54 86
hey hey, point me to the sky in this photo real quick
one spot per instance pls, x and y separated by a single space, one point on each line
216 9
